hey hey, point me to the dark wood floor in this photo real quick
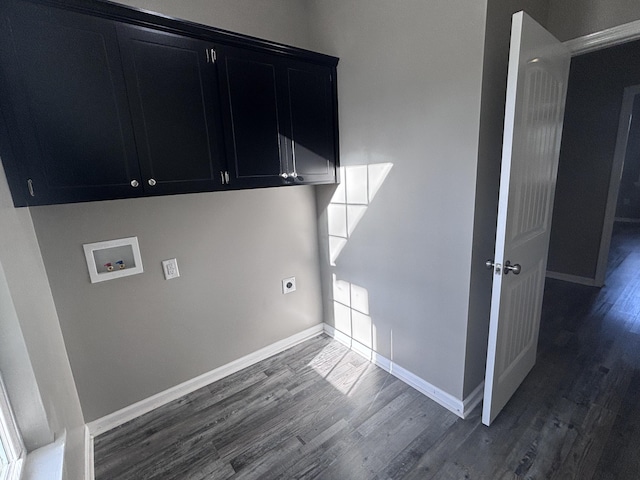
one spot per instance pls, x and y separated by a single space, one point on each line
320 411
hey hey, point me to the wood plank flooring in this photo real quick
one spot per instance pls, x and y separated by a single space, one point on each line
321 411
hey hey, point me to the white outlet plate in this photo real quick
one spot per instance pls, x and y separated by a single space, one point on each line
289 285
170 268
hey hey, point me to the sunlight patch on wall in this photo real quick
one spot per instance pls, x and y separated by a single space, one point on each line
360 184
351 312
352 319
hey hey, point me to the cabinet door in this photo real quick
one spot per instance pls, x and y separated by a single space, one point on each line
173 94
312 120
253 104
65 106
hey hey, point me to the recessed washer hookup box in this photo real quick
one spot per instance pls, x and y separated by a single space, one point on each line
113 259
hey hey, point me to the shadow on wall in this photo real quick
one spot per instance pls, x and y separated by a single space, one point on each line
347 207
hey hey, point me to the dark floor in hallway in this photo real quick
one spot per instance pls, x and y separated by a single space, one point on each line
321 411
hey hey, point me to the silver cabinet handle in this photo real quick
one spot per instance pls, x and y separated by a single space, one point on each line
221 177
30 186
294 174
284 175
152 182
226 177
134 183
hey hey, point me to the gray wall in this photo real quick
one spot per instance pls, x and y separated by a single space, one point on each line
409 81
18 375
574 18
33 359
133 337
284 21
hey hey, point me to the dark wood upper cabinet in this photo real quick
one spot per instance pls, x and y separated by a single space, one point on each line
281 121
173 94
253 104
313 123
67 113
101 101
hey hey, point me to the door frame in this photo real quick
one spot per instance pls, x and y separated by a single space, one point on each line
590 43
605 38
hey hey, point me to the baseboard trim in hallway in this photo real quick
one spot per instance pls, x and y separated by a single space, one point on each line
565 277
137 409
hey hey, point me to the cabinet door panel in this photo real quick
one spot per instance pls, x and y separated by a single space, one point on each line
174 105
311 112
252 124
60 69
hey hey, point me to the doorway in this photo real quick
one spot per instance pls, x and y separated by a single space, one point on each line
627 157
589 169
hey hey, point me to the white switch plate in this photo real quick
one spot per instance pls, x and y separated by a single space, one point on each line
289 285
170 268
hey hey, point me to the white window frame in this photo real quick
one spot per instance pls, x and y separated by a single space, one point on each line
12 451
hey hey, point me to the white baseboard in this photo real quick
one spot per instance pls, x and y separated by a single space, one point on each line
126 414
451 403
115 419
89 473
565 277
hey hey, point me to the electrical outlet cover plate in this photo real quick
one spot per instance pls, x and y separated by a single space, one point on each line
289 285
170 268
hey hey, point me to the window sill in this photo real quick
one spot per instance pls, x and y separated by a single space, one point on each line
46 463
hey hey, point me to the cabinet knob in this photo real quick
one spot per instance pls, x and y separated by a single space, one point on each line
134 183
152 182
284 175
294 174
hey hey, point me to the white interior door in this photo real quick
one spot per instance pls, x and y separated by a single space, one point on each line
536 91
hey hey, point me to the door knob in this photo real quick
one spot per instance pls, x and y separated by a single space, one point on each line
152 182
516 269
